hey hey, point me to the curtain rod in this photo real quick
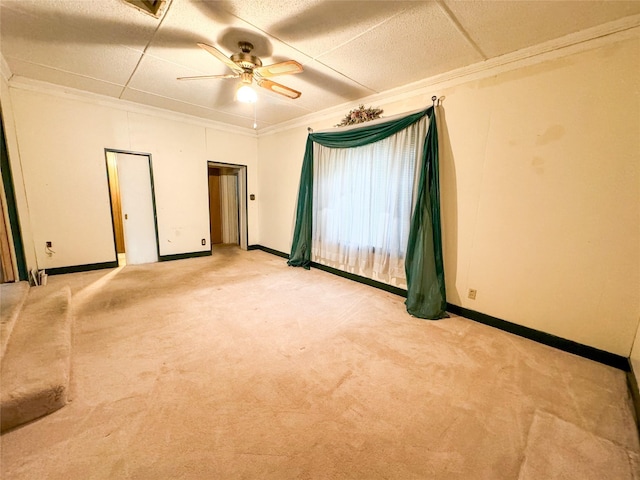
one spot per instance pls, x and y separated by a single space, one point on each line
381 119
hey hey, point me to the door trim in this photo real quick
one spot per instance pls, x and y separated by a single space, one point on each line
243 223
18 257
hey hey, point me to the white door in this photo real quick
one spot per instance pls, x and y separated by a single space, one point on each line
134 178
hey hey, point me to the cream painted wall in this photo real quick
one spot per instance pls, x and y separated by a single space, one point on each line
226 147
540 193
180 180
180 176
61 146
553 232
279 164
61 141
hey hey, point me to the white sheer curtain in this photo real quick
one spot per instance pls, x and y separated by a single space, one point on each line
362 203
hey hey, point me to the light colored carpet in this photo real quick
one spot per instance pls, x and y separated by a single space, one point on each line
12 297
34 371
236 366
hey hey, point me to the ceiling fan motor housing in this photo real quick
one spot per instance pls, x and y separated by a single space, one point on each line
244 58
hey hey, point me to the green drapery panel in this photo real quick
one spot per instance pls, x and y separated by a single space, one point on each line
301 246
424 266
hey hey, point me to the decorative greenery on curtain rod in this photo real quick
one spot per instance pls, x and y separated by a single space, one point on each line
360 115
424 266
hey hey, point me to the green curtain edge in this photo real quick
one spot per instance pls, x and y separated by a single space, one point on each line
426 291
300 255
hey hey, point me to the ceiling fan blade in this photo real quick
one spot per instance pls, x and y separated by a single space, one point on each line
277 88
209 77
282 68
221 56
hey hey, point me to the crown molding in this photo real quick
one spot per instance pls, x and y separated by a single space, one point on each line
589 39
37 86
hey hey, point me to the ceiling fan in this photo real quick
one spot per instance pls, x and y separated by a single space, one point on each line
248 67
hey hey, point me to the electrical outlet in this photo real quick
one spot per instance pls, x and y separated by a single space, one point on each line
49 244
472 293
204 242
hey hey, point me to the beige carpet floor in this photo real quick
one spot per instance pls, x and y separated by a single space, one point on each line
236 366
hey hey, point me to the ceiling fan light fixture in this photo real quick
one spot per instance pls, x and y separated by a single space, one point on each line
246 94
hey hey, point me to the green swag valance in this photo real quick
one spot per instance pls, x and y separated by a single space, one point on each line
424 266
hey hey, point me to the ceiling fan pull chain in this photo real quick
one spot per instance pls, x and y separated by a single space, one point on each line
255 115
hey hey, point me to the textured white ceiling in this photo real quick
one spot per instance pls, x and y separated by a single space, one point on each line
349 49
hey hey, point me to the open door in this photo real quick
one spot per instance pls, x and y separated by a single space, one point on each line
133 206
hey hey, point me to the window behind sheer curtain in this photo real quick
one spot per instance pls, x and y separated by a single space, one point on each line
362 203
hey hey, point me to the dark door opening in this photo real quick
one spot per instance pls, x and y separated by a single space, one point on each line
228 204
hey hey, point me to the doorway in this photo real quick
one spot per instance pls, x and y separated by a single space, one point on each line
133 207
13 264
227 204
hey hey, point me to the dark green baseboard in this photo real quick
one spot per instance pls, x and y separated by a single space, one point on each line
607 358
81 268
560 343
357 278
632 383
181 256
114 264
335 271
268 250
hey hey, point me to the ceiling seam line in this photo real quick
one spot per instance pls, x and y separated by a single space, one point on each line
268 34
56 69
317 57
345 76
144 51
461 29
359 35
